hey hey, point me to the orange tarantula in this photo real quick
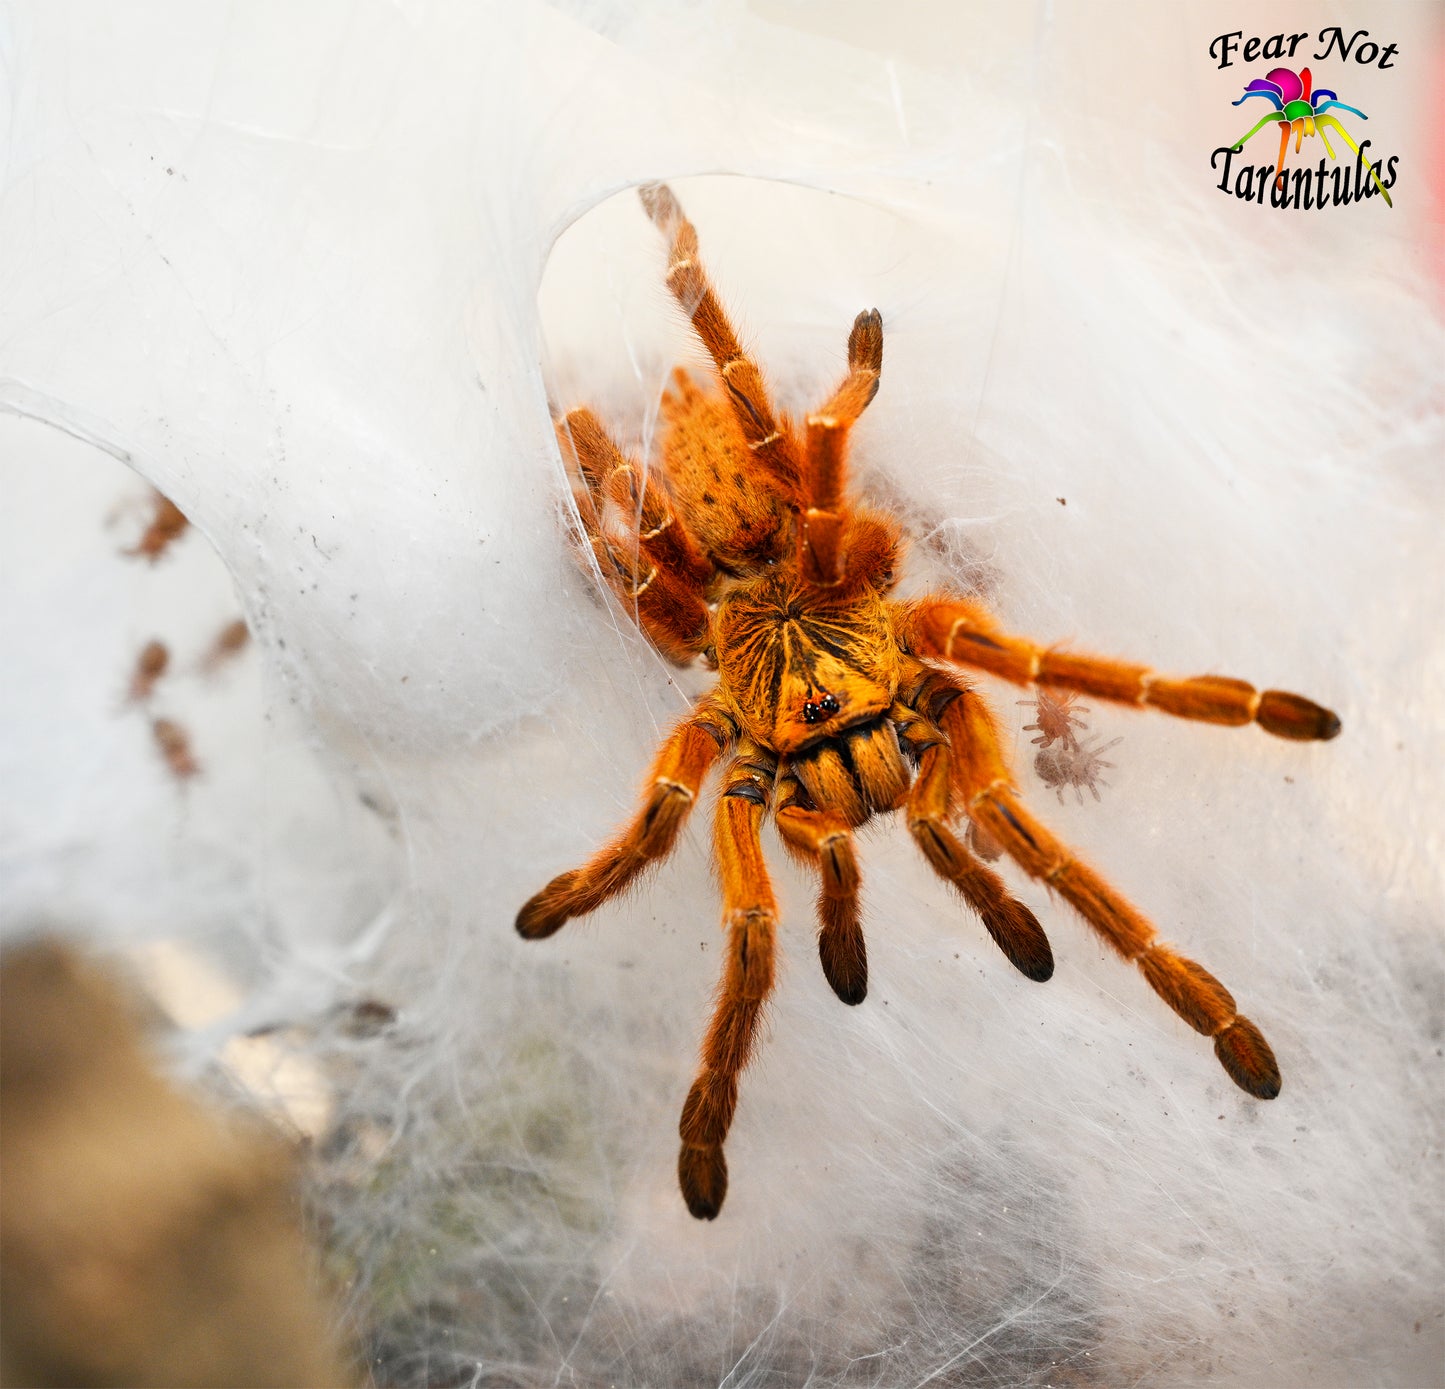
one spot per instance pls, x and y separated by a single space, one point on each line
835 703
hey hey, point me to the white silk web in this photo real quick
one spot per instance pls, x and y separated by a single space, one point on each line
296 268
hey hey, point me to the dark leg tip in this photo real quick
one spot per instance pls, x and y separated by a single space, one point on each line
865 342
1247 1057
846 970
1293 716
534 922
1016 931
843 953
1039 970
852 992
702 1173
701 1208
543 915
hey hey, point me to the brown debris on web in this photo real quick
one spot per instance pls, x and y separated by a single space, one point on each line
227 644
174 745
150 665
168 522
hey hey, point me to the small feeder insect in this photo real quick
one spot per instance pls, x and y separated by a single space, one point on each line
1297 112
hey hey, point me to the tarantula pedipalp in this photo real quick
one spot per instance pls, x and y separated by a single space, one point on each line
835 703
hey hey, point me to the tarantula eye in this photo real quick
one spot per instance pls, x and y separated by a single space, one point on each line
811 712
829 704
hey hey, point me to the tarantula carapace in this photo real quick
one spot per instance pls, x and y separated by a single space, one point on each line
835 703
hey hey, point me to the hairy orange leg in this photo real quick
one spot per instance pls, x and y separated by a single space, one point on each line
1013 927
660 572
1189 989
824 839
611 473
749 915
825 475
673 783
964 632
671 614
763 432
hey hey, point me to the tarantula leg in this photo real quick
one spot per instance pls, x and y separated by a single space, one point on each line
825 476
609 472
1014 928
749 913
672 616
659 571
825 840
842 947
677 774
964 632
741 376
1189 989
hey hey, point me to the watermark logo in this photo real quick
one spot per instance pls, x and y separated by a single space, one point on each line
1301 111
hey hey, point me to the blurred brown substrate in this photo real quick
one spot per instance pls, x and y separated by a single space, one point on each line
143 1241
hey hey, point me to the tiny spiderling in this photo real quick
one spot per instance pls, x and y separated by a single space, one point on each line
1075 764
1058 715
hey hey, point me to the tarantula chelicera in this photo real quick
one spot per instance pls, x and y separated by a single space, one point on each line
834 703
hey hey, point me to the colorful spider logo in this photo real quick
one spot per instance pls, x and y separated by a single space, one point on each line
1297 110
